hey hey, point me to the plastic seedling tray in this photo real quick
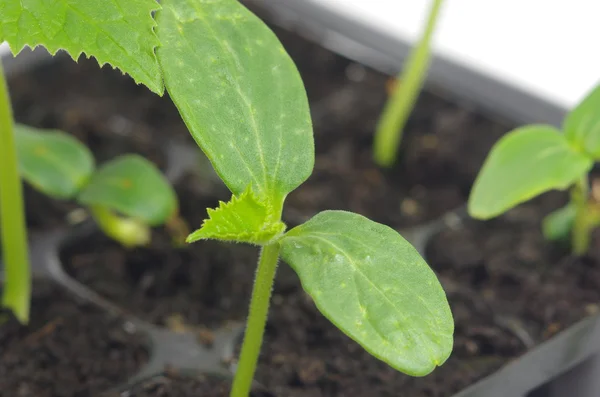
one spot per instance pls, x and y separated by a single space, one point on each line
517 59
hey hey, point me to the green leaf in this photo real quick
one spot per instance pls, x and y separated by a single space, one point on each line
134 187
53 162
526 162
118 32
239 93
582 124
373 285
558 224
242 219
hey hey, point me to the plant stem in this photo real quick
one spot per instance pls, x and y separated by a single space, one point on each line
583 223
399 106
259 308
16 294
127 231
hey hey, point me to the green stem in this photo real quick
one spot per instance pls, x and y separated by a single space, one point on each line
16 294
399 106
583 223
127 231
259 308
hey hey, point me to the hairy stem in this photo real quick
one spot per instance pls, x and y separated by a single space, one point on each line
583 224
255 328
16 294
128 232
398 108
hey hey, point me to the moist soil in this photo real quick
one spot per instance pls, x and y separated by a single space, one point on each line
69 349
508 288
172 384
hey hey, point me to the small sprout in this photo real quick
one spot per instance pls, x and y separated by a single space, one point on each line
534 159
132 186
404 93
363 276
62 167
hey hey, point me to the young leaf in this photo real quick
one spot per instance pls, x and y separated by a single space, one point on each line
242 219
53 162
558 224
134 187
374 286
525 163
239 93
582 124
118 32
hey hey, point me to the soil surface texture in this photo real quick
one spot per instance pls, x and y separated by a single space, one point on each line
68 349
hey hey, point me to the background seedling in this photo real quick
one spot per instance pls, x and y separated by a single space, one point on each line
404 95
534 159
118 32
245 105
126 196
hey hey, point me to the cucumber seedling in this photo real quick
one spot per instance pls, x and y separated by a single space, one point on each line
534 159
244 103
126 196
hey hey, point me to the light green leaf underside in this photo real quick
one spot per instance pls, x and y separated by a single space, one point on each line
134 187
117 32
53 162
242 219
526 162
239 93
558 224
582 124
373 285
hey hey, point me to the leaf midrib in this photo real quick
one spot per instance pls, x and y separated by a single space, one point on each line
238 89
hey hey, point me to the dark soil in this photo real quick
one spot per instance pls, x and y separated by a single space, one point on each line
491 292
205 283
502 274
69 349
175 385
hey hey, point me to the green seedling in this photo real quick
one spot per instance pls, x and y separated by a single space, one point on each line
388 134
534 159
243 100
126 196
118 32
245 105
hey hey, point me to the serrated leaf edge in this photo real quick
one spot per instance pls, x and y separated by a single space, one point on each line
159 90
272 228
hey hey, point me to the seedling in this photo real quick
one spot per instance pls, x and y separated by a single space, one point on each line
62 167
534 159
245 105
118 32
244 102
409 82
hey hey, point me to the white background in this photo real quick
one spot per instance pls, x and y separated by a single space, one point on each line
549 48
